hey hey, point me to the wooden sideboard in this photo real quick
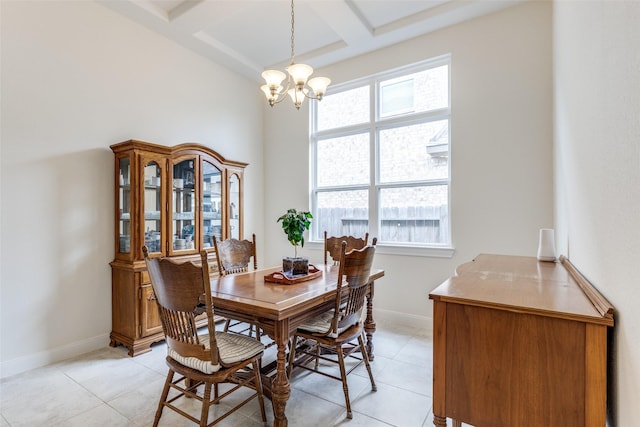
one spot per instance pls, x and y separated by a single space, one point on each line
519 342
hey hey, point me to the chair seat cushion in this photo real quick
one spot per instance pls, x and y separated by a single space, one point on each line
232 348
321 325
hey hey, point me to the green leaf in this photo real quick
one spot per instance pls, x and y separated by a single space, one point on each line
294 224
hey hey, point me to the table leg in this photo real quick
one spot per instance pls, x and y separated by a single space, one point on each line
369 323
280 388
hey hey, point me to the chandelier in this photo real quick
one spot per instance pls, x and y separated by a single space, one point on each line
297 85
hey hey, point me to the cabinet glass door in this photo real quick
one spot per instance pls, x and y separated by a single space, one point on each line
234 206
152 207
184 203
124 200
211 204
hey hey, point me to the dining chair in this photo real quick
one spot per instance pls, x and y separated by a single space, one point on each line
201 360
332 245
334 331
234 256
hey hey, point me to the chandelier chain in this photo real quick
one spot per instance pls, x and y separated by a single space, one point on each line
292 32
297 86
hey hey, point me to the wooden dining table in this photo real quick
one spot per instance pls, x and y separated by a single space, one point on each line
278 309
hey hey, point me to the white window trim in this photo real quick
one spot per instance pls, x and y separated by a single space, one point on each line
375 124
434 251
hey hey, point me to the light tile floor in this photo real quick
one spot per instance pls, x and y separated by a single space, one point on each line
108 388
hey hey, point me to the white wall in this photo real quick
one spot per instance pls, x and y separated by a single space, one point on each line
76 78
597 104
501 139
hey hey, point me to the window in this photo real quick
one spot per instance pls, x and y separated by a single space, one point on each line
380 157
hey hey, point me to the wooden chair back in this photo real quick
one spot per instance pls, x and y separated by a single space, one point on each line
355 266
179 289
234 255
333 245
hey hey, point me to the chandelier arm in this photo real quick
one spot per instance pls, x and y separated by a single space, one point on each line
309 96
279 99
283 93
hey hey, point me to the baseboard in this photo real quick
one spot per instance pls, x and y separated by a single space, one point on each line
411 320
36 360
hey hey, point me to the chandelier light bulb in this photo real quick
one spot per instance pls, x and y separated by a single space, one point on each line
299 73
273 78
319 86
271 93
298 95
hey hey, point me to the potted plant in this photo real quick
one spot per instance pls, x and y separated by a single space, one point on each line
294 224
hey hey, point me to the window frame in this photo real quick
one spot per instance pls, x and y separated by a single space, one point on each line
373 127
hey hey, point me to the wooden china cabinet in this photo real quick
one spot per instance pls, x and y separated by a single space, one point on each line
173 200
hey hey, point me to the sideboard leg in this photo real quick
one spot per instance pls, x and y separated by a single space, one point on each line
439 362
439 421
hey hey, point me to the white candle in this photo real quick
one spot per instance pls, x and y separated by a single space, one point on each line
547 245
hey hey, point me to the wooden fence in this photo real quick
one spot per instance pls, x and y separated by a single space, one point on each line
412 224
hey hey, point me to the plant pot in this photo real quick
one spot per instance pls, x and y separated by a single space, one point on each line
294 267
